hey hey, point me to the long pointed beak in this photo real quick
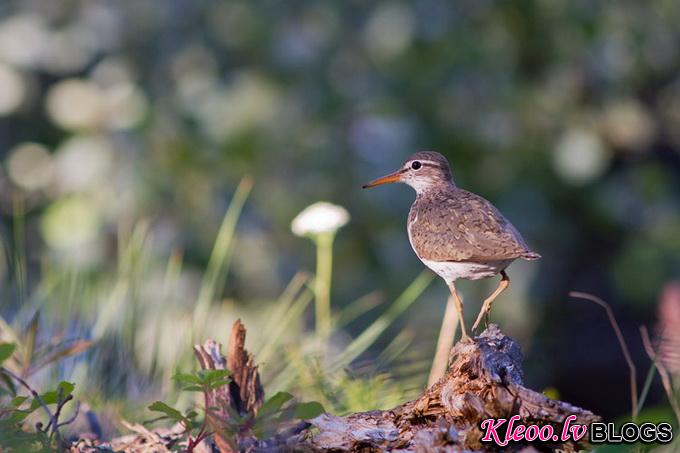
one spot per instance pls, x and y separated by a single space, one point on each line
392 177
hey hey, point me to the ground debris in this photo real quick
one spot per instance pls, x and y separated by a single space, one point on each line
484 380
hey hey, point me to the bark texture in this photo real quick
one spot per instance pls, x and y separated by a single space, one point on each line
484 380
243 395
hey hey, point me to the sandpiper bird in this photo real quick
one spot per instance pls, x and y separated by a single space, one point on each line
454 232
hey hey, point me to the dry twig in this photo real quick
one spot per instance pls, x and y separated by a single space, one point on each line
622 343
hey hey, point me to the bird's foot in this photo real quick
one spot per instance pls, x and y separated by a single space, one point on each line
465 338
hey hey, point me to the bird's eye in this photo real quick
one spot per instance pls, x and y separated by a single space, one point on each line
416 165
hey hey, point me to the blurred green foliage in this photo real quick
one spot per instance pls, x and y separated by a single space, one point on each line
126 127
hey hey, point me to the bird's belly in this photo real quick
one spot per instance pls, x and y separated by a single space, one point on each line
451 271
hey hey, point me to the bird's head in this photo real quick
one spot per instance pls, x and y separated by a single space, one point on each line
422 171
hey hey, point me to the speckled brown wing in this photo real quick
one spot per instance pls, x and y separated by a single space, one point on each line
457 225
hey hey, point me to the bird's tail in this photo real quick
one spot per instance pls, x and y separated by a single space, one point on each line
530 256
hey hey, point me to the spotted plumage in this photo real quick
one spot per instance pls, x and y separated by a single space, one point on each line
452 224
456 233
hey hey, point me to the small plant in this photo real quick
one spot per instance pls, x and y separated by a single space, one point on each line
14 415
277 411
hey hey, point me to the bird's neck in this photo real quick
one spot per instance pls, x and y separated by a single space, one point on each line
425 187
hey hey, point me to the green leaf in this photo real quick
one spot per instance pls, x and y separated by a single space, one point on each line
18 400
64 389
6 351
202 380
170 412
213 379
217 384
186 378
209 376
47 398
18 416
274 403
305 411
193 388
8 382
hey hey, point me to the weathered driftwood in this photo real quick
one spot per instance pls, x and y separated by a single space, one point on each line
484 380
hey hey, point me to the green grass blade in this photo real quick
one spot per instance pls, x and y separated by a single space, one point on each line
280 307
218 264
19 249
357 308
173 270
395 348
645 390
294 313
371 334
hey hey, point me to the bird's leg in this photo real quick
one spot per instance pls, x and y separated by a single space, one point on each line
459 308
486 307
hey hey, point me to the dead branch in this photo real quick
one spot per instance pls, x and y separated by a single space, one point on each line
245 377
243 395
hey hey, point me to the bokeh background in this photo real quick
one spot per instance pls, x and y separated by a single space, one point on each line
126 127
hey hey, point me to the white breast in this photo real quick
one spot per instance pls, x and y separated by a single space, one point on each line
451 271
